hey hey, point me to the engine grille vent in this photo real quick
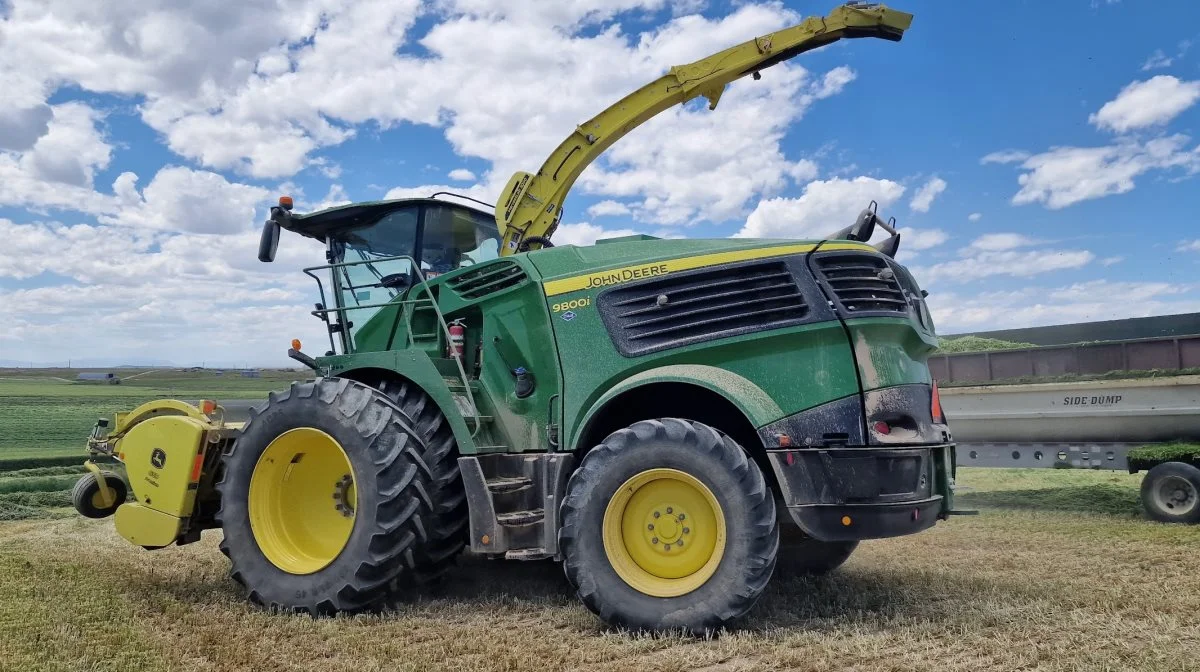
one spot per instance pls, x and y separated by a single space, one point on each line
490 279
699 306
862 283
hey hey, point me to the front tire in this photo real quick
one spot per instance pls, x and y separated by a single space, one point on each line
668 525
323 498
801 555
1171 493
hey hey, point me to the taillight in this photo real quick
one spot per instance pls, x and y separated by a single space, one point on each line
939 418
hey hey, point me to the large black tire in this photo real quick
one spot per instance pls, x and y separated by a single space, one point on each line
86 492
752 533
1171 493
446 528
801 555
393 504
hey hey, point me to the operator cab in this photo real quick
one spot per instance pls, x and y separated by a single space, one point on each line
373 246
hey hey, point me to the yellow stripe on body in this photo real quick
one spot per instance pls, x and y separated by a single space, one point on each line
616 276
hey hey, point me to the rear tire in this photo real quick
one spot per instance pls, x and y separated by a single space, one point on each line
801 555
447 525
621 543
1171 493
266 478
85 496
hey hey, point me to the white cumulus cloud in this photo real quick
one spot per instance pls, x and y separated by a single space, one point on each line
586 234
825 207
923 198
1152 102
608 208
1064 176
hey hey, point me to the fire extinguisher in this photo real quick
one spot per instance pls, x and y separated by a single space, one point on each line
457 339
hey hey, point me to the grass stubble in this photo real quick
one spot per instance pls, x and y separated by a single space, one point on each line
1059 572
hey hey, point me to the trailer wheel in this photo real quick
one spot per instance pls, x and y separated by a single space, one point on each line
86 497
800 554
323 498
447 525
667 524
1171 493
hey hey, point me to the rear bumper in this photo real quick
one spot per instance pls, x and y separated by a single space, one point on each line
844 494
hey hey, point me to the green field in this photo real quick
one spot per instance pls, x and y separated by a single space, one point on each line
44 414
45 418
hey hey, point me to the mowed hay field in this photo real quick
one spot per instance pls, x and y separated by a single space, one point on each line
1059 572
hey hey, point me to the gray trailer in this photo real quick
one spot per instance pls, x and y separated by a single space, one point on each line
1088 425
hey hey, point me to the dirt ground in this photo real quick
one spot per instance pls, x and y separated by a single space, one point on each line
1059 572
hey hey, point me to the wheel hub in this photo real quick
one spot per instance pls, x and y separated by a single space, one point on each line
664 532
295 524
1177 495
344 496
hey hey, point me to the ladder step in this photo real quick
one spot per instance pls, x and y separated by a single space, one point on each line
501 484
527 554
517 518
457 384
479 419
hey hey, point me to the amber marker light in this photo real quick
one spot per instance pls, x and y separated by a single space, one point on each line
296 344
285 202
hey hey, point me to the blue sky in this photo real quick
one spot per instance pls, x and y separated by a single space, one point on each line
1042 156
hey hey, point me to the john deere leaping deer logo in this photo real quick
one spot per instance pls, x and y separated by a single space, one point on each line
158 458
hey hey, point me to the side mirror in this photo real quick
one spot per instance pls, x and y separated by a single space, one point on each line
269 242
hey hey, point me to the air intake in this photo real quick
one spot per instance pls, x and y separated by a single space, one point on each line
862 283
489 279
699 306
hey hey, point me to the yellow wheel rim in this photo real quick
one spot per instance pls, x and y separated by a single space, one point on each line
664 532
302 500
98 500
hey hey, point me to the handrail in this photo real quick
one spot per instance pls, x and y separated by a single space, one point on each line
424 285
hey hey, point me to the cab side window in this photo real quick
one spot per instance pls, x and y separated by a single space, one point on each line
455 237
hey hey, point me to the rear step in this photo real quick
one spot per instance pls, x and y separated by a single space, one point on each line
502 484
527 554
513 501
516 518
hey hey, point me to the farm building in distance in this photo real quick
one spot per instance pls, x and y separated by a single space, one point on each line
98 377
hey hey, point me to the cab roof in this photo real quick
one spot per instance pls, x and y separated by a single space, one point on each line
321 223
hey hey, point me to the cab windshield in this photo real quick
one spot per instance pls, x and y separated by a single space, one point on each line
440 237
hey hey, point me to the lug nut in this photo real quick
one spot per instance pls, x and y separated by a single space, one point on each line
669 510
656 514
650 526
686 530
679 543
666 547
654 540
682 515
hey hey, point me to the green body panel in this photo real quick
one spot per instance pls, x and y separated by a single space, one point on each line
891 351
563 342
768 375
506 329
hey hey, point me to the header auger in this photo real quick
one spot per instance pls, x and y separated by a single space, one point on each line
676 421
